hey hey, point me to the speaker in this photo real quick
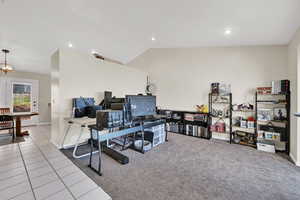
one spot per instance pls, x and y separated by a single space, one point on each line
116 155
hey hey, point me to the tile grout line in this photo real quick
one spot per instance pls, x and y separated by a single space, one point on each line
27 172
39 167
10 159
17 195
88 192
68 174
31 163
9 165
78 181
51 195
11 185
45 184
12 176
53 169
62 167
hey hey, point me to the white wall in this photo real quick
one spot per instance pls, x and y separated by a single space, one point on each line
57 123
75 74
44 92
293 59
183 76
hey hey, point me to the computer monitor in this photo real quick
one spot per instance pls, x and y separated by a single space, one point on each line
140 105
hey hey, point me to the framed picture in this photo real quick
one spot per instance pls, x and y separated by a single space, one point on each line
265 114
280 114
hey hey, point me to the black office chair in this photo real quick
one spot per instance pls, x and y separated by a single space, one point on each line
7 123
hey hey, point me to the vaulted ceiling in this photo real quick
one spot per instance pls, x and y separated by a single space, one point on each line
122 30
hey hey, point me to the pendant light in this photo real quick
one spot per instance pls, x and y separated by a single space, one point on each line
5 67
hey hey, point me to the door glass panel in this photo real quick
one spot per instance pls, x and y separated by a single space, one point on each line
21 98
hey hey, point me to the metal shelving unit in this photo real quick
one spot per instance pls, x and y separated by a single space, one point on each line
273 102
248 132
211 116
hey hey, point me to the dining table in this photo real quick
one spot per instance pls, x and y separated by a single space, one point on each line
18 118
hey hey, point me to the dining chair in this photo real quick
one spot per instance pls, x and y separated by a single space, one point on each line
4 111
7 123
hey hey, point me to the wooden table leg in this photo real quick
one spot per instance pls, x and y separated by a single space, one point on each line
19 133
18 127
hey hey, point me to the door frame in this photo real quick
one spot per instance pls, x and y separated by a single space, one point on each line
34 97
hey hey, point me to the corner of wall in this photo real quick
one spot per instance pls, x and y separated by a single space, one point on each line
293 74
55 125
297 163
55 144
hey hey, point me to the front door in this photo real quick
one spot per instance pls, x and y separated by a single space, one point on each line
23 98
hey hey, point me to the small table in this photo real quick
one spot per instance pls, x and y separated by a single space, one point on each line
18 117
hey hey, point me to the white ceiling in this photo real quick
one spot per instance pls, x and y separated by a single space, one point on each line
122 30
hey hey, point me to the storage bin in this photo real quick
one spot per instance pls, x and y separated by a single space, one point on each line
220 127
280 146
156 141
147 145
159 132
267 147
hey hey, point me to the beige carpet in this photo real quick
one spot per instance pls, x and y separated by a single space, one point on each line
188 168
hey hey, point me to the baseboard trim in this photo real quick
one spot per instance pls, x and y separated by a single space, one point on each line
56 145
68 146
294 160
44 123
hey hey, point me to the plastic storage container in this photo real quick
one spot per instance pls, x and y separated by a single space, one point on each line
147 145
267 146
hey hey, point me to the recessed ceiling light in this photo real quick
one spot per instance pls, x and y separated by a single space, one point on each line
70 45
153 38
227 31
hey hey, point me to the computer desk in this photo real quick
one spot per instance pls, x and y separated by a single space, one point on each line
138 126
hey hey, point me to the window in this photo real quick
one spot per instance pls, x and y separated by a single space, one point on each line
21 97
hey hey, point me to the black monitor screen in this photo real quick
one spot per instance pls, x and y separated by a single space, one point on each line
141 105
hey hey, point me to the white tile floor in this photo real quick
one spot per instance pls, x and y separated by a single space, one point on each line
37 170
